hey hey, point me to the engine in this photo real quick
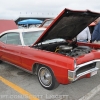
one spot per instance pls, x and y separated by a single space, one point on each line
63 47
69 51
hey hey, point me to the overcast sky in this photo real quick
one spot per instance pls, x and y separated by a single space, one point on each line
12 9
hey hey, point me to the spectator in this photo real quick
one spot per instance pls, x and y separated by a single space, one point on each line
96 32
84 36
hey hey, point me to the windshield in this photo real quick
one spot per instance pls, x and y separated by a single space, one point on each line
30 38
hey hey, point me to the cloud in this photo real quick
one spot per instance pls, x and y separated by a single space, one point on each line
12 9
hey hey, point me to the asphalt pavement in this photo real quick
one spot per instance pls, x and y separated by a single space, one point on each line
15 83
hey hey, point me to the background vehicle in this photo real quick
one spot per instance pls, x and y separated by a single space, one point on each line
46 23
91 27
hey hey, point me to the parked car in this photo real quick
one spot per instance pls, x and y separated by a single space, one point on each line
46 23
91 27
52 53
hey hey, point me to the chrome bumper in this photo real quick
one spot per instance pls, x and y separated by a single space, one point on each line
73 75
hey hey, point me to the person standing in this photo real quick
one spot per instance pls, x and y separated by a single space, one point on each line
96 32
84 36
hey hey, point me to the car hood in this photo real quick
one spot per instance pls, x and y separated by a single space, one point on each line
68 24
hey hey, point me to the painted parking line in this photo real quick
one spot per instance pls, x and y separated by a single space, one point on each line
91 94
18 89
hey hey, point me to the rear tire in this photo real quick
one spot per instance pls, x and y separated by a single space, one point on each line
46 78
0 61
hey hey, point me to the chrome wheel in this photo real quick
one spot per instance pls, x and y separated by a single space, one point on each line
45 77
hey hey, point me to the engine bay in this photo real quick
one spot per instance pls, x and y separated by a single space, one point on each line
64 47
73 52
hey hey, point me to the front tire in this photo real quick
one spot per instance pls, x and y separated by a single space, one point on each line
46 78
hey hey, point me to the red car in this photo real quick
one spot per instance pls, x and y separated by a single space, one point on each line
53 54
46 23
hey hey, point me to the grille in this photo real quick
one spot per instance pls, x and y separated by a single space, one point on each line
86 68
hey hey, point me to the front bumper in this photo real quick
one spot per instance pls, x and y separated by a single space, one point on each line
82 70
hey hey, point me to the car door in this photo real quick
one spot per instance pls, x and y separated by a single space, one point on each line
2 45
11 49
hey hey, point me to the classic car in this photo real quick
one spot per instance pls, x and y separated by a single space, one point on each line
46 22
53 54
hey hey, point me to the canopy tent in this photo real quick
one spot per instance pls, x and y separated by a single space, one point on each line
30 21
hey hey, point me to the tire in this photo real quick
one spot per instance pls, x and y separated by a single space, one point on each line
46 78
0 61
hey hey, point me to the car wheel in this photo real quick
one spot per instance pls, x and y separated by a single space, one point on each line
46 78
0 61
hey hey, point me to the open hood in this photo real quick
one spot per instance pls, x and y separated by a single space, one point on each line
68 24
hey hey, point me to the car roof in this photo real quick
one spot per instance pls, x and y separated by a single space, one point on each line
24 30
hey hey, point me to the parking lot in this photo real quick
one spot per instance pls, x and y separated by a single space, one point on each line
16 84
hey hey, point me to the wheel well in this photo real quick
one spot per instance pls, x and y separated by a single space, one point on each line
36 66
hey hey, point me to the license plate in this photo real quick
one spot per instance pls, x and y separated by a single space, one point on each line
93 73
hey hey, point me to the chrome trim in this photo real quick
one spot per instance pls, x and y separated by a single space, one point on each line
18 67
87 72
22 41
72 74
89 62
